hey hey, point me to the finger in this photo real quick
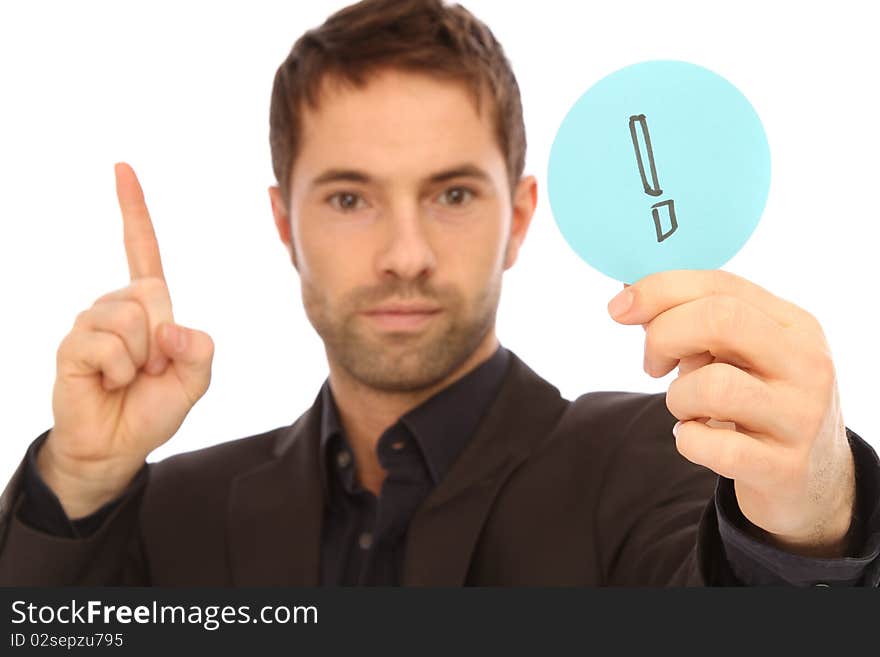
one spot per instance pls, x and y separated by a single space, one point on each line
86 353
663 290
141 247
728 394
727 327
691 363
125 318
712 422
721 424
729 453
152 294
191 352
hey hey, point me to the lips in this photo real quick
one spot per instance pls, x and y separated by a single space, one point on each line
402 317
402 309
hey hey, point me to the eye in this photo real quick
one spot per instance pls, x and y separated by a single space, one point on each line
457 196
346 201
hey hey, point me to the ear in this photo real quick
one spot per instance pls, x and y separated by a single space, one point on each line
525 200
282 221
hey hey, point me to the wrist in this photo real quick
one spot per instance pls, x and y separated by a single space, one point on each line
830 536
82 487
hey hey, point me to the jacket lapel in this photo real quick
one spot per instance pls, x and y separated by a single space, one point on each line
445 529
275 512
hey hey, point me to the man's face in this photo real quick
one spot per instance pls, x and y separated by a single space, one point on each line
401 225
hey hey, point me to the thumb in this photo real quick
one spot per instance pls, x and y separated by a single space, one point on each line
191 353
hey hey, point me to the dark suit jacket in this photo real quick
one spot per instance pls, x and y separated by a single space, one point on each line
548 492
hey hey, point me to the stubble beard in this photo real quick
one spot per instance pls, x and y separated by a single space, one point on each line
399 361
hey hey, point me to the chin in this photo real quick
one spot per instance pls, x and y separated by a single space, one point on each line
404 365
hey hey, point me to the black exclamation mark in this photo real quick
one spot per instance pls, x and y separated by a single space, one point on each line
638 127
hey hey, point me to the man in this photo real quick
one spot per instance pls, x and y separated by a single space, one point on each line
432 455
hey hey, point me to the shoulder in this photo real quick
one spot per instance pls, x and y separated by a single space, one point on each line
603 408
594 421
621 411
602 425
220 462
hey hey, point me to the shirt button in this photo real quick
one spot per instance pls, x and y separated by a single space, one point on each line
399 445
343 458
365 540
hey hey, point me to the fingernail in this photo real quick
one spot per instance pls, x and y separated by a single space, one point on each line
179 339
621 303
675 428
173 335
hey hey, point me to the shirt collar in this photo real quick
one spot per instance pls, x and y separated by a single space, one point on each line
442 424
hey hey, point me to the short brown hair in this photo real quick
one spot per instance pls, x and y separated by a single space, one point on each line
427 36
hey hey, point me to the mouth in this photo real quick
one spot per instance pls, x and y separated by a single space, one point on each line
401 317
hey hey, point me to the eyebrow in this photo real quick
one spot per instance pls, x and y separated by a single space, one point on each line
467 170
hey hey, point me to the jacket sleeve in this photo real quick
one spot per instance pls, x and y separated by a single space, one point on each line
656 523
757 563
38 547
668 522
41 508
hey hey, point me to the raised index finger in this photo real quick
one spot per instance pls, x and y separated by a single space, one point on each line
141 247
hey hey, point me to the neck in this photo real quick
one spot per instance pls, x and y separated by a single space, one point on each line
365 412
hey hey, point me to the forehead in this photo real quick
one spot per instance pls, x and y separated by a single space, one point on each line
398 124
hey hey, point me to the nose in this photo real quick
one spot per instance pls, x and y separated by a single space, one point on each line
407 252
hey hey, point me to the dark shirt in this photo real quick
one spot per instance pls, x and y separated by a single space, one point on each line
364 536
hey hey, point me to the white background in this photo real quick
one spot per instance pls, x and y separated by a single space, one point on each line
181 91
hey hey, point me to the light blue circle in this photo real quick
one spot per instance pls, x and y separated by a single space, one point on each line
712 164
